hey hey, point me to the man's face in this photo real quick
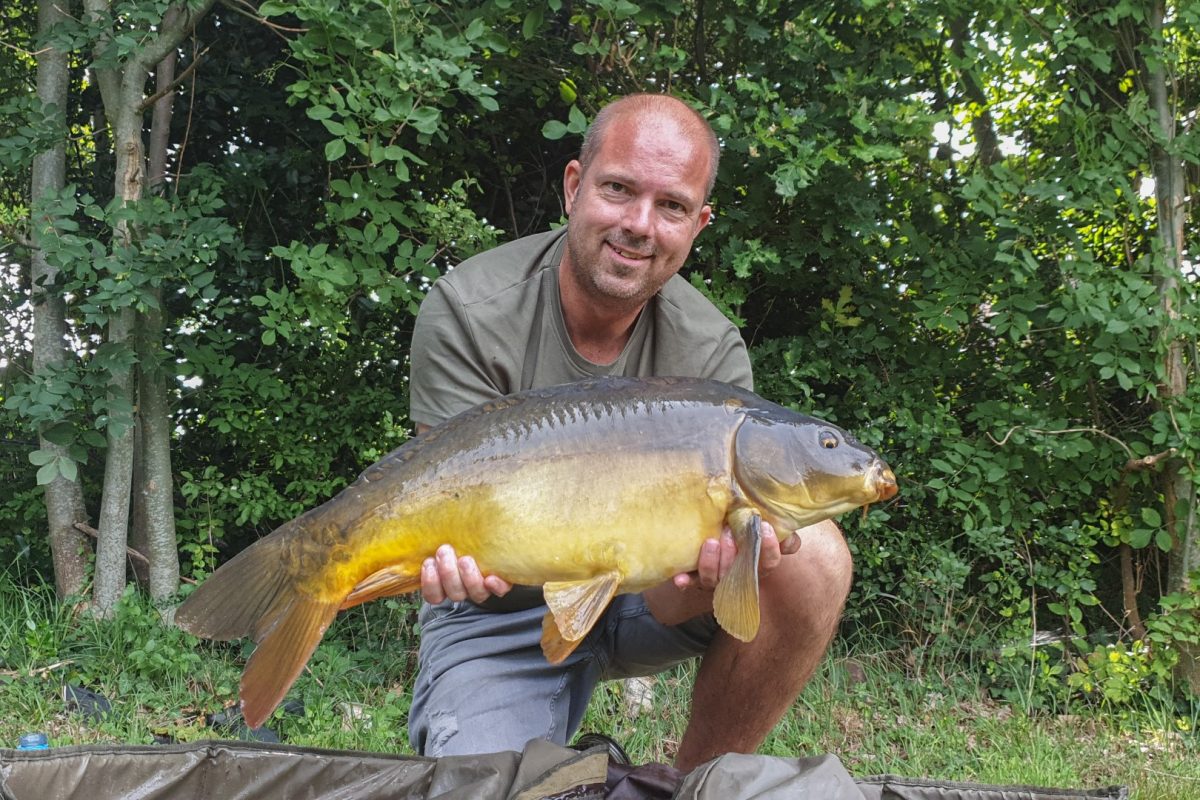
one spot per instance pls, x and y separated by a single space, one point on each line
636 210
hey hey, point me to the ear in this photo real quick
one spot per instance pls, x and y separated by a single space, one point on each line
703 218
572 177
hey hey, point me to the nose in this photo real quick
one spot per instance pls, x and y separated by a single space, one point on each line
639 217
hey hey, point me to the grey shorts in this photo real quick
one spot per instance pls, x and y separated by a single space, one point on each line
484 686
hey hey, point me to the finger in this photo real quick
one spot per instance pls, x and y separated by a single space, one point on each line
497 585
728 553
431 584
769 555
447 567
685 580
791 545
472 580
708 567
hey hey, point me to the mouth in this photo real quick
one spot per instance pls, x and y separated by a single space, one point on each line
627 254
884 480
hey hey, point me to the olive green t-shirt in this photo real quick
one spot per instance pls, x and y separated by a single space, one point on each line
493 326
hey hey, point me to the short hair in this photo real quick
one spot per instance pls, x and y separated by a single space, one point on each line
647 102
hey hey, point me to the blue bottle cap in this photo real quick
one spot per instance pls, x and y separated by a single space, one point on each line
33 741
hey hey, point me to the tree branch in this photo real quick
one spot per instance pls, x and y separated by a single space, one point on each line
247 9
1097 431
175 84
129 551
15 235
108 78
170 35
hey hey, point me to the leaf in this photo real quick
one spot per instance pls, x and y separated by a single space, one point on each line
62 434
47 473
335 149
1140 537
1163 539
567 91
576 121
40 457
334 127
476 29
533 21
554 130
1117 326
1151 517
425 119
68 468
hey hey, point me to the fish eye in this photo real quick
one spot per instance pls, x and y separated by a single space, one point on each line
828 439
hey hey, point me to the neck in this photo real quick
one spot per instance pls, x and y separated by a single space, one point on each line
599 330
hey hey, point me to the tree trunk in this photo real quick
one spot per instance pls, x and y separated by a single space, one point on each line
155 486
987 143
1179 491
64 498
109 582
122 88
125 112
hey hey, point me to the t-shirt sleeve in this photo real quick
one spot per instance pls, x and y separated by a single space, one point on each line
446 373
729 361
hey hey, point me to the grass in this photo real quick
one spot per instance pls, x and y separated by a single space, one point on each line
868 704
869 709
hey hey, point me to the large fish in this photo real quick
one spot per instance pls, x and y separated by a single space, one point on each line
587 489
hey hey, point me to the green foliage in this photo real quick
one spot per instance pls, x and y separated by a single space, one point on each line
992 321
149 653
29 128
1119 675
178 247
386 82
24 551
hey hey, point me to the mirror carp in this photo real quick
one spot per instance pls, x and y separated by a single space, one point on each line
588 489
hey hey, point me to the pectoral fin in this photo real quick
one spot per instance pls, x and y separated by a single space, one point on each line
387 582
574 608
554 647
735 601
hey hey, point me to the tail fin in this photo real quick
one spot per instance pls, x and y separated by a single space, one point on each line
283 649
253 596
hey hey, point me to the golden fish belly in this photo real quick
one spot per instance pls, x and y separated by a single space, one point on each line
570 517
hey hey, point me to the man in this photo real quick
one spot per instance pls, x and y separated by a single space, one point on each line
603 298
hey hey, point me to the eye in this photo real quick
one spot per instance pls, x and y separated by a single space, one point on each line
828 439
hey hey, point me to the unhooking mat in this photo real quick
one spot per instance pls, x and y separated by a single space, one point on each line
223 770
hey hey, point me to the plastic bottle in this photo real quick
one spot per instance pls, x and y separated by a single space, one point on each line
33 741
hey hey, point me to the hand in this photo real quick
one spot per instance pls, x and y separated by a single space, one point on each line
447 577
717 555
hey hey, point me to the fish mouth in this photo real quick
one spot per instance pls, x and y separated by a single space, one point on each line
884 481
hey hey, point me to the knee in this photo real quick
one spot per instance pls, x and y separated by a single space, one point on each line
811 585
826 557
